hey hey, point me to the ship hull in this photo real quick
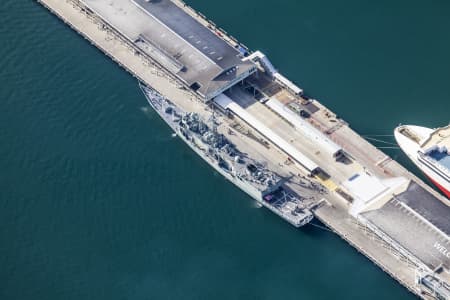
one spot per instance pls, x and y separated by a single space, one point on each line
411 149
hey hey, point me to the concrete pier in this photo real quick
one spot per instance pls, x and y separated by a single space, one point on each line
333 209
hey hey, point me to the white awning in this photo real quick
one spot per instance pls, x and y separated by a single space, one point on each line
226 103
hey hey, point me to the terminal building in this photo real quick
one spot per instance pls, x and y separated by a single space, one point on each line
193 53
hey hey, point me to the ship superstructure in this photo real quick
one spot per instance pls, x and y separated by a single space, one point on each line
251 176
429 149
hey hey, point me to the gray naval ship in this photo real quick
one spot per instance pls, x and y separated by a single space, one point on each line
249 175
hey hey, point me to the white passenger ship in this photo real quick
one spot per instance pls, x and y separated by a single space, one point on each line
429 149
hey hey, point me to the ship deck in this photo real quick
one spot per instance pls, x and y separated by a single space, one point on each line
440 138
442 158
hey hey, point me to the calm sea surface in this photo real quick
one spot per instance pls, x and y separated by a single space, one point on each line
98 201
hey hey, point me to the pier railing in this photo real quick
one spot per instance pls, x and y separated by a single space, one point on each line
434 164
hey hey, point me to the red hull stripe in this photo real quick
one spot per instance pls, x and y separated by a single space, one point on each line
447 193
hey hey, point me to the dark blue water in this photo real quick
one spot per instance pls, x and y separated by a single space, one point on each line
98 201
